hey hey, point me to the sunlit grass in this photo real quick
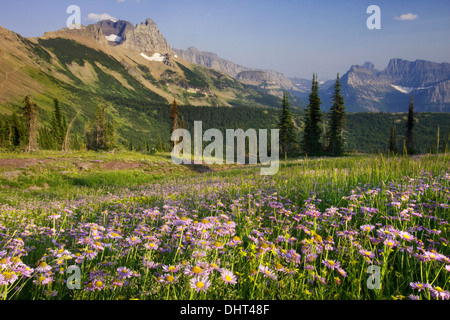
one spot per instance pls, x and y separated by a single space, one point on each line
309 232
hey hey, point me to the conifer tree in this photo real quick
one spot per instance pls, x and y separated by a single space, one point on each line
31 118
59 125
16 130
337 123
102 134
409 138
288 141
89 135
393 141
100 129
4 134
311 136
110 135
174 117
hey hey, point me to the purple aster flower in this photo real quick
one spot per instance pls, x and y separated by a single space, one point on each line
133 240
367 253
390 243
169 278
200 283
406 236
8 277
342 272
194 271
439 294
332 264
95 285
267 272
419 286
228 277
311 257
43 267
90 254
151 246
124 272
43 279
367 227
170 269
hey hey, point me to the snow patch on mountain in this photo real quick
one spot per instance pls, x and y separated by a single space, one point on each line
403 89
155 57
408 90
113 38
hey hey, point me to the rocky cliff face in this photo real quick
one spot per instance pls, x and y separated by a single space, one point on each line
210 60
367 89
416 74
92 31
267 79
116 28
147 38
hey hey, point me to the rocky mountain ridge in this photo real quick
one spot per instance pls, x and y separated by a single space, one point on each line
269 80
367 89
148 57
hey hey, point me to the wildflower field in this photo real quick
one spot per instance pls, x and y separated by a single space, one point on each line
313 231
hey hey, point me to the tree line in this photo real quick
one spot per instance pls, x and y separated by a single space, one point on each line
307 132
327 138
25 132
318 138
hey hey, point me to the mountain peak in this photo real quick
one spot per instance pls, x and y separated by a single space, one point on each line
148 22
192 49
146 37
416 74
115 30
369 65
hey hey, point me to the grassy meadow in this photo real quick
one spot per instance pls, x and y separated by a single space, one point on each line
139 227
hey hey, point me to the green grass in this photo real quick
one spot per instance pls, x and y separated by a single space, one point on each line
297 205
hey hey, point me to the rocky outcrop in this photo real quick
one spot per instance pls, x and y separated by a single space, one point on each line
367 89
416 74
266 79
91 32
210 60
118 28
146 38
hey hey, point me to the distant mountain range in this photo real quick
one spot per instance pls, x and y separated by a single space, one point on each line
364 87
130 69
114 60
367 89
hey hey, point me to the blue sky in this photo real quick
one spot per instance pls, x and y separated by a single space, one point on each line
294 37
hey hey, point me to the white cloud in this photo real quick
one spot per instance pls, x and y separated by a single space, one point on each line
99 17
407 16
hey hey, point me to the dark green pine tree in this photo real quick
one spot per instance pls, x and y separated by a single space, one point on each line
16 131
409 138
89 135
59 126
174 119
46 139
110 135
100 129
288 140
337 123
30 113
393 141
311 136
4 134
